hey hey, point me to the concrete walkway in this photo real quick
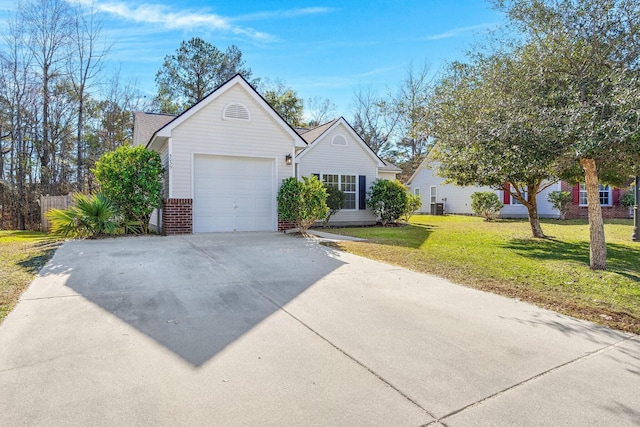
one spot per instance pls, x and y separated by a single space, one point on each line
269 329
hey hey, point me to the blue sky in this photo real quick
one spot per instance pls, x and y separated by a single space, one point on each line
322 48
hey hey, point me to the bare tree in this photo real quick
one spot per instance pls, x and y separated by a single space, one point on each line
85 64
374 120
49 24
410 104
319 110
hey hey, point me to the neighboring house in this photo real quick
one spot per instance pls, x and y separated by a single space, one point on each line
226 157
457 200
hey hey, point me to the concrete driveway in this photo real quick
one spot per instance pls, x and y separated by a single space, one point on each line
272 330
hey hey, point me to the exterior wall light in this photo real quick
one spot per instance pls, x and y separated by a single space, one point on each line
288 159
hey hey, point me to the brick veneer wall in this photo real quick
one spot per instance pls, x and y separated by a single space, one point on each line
177 216
576 211
285 225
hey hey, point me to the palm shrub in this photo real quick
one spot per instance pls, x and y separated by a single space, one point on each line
90 216
302 202
561 200
486 204
388 200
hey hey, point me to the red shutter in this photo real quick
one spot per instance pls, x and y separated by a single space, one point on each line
576 194
506 195
616 196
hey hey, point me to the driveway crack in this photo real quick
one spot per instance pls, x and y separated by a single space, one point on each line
534 378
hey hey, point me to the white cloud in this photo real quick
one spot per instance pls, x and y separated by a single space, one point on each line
460 30
148 13
289 13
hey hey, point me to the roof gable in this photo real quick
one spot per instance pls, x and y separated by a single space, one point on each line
319 134
238 80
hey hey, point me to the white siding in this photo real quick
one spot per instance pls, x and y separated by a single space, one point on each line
545 209
458 199
352 159
387 175
207 133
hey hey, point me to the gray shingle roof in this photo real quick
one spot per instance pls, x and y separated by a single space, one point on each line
146 124
312 134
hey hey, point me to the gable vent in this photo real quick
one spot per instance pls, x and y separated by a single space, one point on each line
339 140
236 112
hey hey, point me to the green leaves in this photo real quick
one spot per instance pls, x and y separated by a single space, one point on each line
302 202
486 204
388 200
130 176
90 216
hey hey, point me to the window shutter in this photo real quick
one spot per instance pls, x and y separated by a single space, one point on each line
362 192
506 195
576 194
615 194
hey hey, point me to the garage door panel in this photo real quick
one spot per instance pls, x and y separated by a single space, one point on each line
233 194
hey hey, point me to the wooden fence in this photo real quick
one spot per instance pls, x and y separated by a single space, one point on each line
52 202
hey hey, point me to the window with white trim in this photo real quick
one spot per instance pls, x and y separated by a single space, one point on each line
347 184
416 191
605 195
433 194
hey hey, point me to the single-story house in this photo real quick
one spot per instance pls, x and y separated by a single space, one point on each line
455 199
226 157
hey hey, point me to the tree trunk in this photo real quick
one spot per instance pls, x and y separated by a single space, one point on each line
597 243
534 221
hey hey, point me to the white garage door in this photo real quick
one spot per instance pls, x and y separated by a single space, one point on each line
233 194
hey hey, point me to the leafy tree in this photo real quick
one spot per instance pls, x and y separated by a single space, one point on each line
561 200
286 102
414 202
591 50
335 201
90 216
486 204
130 176
193 71
491 123
302 202
388 200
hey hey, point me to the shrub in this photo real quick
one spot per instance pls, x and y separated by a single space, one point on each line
388 200
628 199
561 200
335 201
302 202
413 204
130 176
90 216
486 204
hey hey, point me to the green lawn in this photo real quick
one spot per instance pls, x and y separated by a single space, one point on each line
22 254
501 257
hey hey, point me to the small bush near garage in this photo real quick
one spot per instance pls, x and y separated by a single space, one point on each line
388 200
130 177
486 204
302 202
